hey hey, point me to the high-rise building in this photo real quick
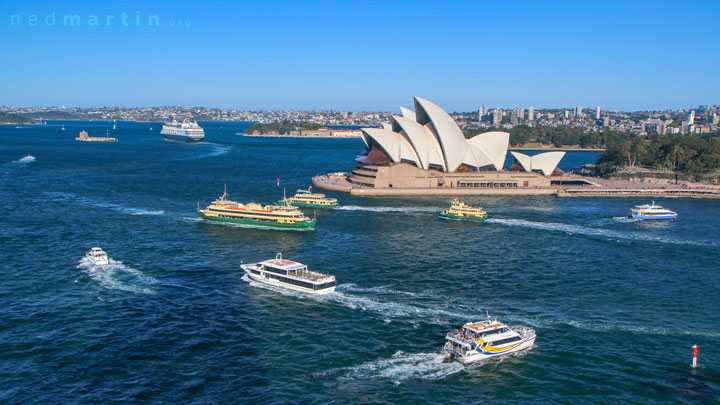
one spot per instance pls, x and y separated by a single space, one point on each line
481 112
566 113
606 121
531 113
597 112
691 117
497 116
578 112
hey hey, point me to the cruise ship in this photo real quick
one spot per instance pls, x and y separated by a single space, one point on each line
477 341
651 211
185 131
462 211
256 216
307 199
289 274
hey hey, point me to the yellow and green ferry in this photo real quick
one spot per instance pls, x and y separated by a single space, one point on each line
257 216
460 210
307 199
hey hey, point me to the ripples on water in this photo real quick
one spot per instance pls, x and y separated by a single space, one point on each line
616 303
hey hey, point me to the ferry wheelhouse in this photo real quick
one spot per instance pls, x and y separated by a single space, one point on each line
289 274
462 211
652 211
477 341
185 131
308 199
257 216
97 256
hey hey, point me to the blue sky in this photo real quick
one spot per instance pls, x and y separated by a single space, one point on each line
368 55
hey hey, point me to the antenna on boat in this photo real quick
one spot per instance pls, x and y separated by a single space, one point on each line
284 196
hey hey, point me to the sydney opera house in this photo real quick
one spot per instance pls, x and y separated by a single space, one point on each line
425 152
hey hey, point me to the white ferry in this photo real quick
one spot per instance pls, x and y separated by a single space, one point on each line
289 274
651 211
185 131
485 339
96 256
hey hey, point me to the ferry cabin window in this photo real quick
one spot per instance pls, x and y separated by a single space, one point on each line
506 340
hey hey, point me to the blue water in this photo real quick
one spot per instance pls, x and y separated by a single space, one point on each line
617 304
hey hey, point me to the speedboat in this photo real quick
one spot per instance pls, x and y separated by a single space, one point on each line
289 274
477 341
651 211
97 256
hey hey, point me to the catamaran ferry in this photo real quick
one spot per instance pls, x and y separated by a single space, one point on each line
97 257
651 211
289 274
256 216
460 210
185 131
481 340
306 199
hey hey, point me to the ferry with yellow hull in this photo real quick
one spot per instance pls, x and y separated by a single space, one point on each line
308 199
462 211
257 216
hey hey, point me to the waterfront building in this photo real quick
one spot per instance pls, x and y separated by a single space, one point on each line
425 152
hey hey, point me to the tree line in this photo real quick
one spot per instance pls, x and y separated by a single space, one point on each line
282 127
693 155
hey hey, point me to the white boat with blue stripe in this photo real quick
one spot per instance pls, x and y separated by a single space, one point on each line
482 340
652 211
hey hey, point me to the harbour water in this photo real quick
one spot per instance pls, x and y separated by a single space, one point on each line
617 304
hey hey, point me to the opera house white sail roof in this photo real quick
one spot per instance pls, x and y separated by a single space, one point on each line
429 137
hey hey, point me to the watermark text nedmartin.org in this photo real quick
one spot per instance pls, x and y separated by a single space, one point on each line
121 19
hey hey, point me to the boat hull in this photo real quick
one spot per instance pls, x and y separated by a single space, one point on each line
461 218
276 283
645 216
182 138
307 205
249 222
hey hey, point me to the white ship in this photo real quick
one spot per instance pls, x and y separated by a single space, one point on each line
289 274
96 256
185 131
485 339
651 211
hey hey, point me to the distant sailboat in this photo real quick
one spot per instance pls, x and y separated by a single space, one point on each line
63 127
113 124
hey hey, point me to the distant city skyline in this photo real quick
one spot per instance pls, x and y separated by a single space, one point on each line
369 56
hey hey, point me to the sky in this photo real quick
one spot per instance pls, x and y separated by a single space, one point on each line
361 56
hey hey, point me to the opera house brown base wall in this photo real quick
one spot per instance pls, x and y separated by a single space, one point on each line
407 179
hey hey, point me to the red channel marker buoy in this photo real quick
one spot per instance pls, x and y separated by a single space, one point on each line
695 352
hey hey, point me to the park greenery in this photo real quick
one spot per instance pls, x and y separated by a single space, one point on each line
693 155
9 118
282 127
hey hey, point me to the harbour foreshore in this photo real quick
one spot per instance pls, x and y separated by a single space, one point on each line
600 188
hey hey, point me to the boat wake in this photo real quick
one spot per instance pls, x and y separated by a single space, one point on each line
437 314
215 149
102 204
401 367
595 232
22 161
389 209
118 276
